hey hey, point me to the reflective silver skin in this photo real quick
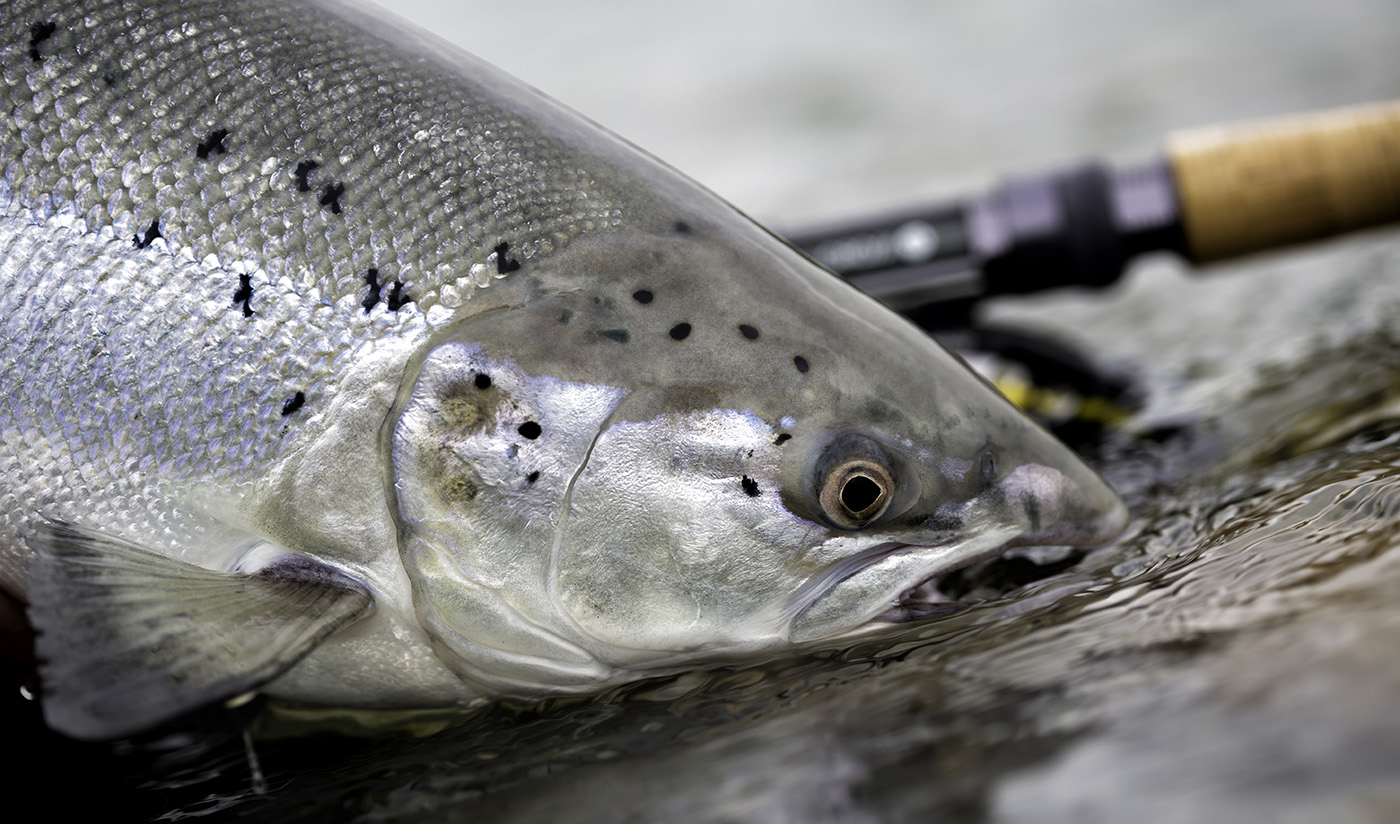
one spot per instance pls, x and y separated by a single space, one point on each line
295 280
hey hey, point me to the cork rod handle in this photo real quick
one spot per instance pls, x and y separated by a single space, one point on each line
1253 186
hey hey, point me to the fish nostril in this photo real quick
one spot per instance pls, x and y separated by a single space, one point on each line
989 466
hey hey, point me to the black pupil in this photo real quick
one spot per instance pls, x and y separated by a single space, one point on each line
860 493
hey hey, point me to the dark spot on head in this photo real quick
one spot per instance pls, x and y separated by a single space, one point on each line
642 296
748 331
213 144
878 410
293 403
801 363
680 331
244 294
152 232
530 430
459 489
682 227
38 33
330 196
565 316
303 174
783 437
504 262
750 487
372 295
532 477
398 296
619 335
483 381
109 78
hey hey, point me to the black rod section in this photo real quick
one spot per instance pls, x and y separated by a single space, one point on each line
1075 226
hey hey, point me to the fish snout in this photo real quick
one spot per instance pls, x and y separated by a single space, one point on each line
1073 507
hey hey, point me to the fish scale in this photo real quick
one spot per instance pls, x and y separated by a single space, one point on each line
177 302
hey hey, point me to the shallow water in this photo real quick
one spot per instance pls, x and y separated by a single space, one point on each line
1235 656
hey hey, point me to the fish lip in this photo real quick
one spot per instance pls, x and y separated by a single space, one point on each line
902 606
910 606
824 581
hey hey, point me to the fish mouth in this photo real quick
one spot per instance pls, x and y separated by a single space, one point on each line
893 581
925 600
887 583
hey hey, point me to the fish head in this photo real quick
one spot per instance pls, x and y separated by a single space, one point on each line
669 447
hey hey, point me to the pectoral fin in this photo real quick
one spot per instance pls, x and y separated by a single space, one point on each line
129 638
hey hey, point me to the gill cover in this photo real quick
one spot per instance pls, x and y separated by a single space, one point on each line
484 456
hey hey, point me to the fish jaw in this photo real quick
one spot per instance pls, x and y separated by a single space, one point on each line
893 581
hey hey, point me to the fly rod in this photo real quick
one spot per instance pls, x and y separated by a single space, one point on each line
1215 193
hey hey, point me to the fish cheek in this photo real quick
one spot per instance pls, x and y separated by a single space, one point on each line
677 538
483 454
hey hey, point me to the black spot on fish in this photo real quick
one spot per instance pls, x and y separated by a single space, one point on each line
565 316
330 196
293 403
682 227
750 487
483 381
504 262
801 363
303 174
398 297
680 331
152 232
38 33
110 79
748 331
530 430
532 477
642 296
213 145
783 437
619 335
244 294
372 296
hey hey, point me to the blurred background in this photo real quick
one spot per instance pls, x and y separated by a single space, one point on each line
806 110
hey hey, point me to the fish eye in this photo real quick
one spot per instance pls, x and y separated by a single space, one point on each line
856 492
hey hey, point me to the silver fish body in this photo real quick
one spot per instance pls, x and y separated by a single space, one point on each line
312 322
